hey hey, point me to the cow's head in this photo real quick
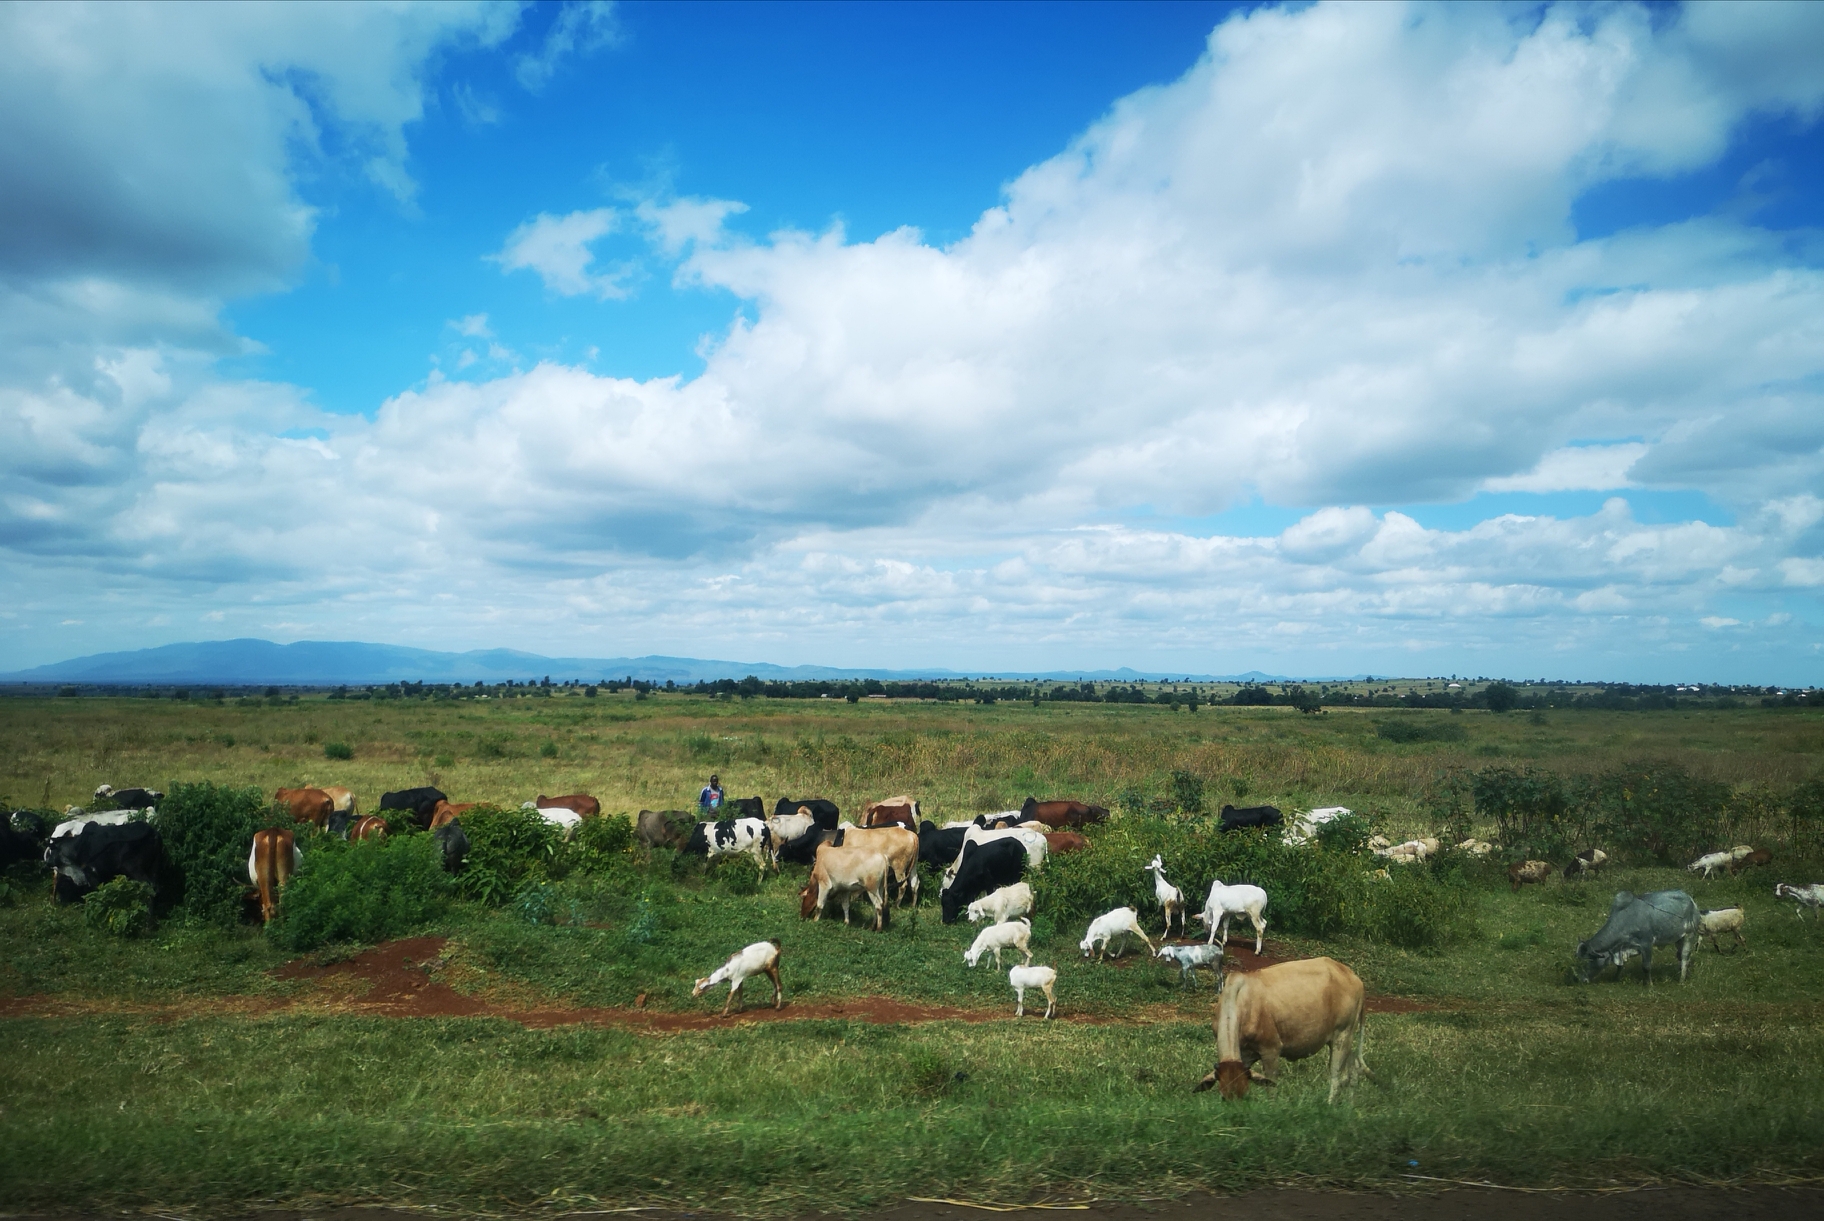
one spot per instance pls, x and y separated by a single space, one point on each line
1589 963
807 902
1232 1079
948 905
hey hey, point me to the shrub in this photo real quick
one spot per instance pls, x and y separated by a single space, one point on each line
122 907
369 891
1187 792
548 750
600 841
1500 697
207 830
507 850
1530 809
1346 833
1418 728
338 750
1660 809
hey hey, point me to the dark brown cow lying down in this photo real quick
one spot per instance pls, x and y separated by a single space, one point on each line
1288 1011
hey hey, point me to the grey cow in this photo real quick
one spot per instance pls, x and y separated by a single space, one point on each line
1636 924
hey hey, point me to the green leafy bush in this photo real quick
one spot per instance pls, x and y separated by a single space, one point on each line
1531 811
207 830
1659 810
338 750
122 907
1418 728
600 842
507 850
369 891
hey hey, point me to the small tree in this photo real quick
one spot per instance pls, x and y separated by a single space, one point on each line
1303 700
1500 697
1187 792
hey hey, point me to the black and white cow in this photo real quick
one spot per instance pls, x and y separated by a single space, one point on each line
732 837
983 867
128 799
99 853
938 846
825 813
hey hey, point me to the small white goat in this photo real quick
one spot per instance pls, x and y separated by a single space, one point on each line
760 958
1190 957
1007 903
1042 978
1712 862
1809 896
1105 930
1170 897
1013 935
1724 920
1226 901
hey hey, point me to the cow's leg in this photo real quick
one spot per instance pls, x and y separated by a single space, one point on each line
1686 945
1646 965
1260 931
1341 1052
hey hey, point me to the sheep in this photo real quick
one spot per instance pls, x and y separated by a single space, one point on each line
1476 847
760 958
1007 903
1810 896
1226 901
1106 929
1712 862
1525 873
1724 920
1013 935
1189 957
1042 978
1586 862
1411 850
1171 899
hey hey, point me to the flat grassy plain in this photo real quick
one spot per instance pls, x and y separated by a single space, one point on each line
182 1071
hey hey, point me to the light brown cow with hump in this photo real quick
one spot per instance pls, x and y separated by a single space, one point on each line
1287 1012
842 874
342 800
307 805
899 846
270 865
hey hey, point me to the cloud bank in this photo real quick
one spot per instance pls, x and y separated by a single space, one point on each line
1333 267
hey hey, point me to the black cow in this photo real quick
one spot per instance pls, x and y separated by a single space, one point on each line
98 854
745 807
27 823
421 802
999 822
803 850
824 813
16 846
983 868
339 821
453 843
129 799
938 846
1250 816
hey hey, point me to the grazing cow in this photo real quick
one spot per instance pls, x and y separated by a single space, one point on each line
901 811
1007 903
898 845
1587 862
1527 873
1710 863
825 813
1170 898
420 802
788 827
27 823
1226 901
842 874
306 805
1059 842
129 799
98 852
1113 929
275 857
1713 924
1288 1012
18 845
1304 827
1072 814
563 818
1042 978
745 807
1249 816
1032 842
980 868
1757 858
663 828
368 826
1190 957
731 837
445 812
582 803
1635 925
1009 935
760 958
1806 896
343 799
453 842
803 849
938 846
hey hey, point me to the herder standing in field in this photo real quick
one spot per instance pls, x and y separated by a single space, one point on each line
710 799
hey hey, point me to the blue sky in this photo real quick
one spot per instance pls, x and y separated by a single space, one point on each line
1205 337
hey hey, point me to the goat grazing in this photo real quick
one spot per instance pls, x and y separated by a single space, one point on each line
1586 862
760 958
1710 863
1171 899
1712 924
1190 957
1226 901
1007 903
1012 935
1041 978
1807 896
1105 930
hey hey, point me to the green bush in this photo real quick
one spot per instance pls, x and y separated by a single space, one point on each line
369 891
122 907
601 841
207 830
507 850
1659 810
1418 728
1530 809
338 750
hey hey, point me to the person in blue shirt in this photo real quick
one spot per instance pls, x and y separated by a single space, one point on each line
710 799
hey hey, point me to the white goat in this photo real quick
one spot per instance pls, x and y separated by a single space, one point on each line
1711 924
1712 862
1190 957
1226 901
760 958
1171 899
1106 929
1007 903
1042 978
1013 935
1810 896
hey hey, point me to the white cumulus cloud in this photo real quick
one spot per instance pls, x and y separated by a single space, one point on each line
557 248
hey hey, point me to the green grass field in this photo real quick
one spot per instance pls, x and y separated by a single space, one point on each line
177 1070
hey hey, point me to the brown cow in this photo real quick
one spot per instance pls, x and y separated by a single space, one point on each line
663 828
844 874
579 803
274 859
307 805
899 846
447 812
1062 814
366 827
901 811
1065 841
344 799
1287 1011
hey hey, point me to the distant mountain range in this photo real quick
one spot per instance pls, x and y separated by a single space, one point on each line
320 663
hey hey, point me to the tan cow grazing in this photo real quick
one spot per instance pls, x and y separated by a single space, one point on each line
445 812
1525 873
307 805
1287 1012
343 799
580 803
899 846
275 857
842 874
366 827
901 811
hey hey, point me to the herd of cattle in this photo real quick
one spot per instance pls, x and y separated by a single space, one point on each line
1285 1011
